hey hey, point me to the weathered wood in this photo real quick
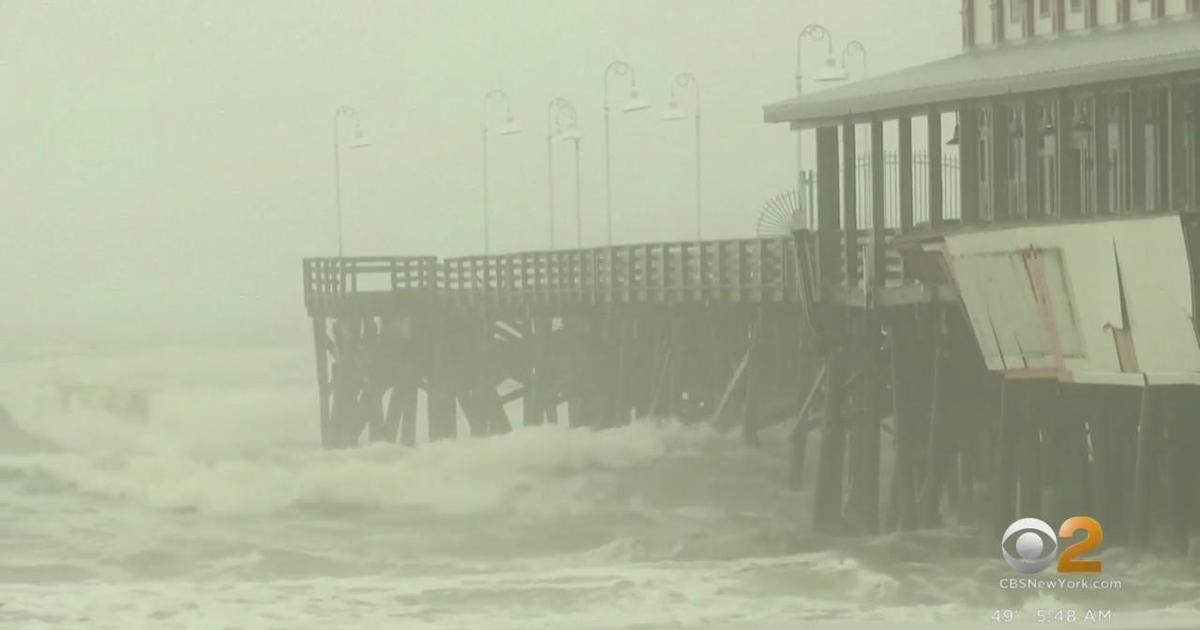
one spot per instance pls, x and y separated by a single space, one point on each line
904 358
827 500
904 122
1004 483
850 204
940 450
1147 451
719 415
321 344
934 134
863 502
828 206
755 386
1030 418
442 411
968 160
878 207
346 418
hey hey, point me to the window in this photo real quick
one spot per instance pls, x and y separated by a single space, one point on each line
1016 10
1118 162
1016 162
1044 8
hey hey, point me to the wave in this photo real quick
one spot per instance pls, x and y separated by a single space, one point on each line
542 471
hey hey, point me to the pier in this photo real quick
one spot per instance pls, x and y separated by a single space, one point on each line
1017 334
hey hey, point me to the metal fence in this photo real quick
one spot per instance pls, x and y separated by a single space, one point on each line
951 208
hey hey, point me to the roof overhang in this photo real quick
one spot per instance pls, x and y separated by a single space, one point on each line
1069 60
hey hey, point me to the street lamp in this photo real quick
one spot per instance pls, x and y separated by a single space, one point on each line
509 128
562 122
673 112
855 47
635 103
357 142
830 72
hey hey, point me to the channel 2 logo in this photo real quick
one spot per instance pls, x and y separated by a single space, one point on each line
1029 545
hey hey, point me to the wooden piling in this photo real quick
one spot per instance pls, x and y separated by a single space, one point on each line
827 500
1004 479
940 451
322 345
1147 451
863 502
442 410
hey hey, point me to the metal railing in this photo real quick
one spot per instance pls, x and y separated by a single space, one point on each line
864 191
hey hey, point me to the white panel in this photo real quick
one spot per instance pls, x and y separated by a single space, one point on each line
1062 304
1176 7
1157 283
1158 295
1140 10
966 277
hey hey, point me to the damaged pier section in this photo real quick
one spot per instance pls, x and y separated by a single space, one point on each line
591 337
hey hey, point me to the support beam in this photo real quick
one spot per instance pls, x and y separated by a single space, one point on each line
1001 209
1004 494
442 411
941 447
850 203
1148 441
934 129
904 123
878 217
321 344
968 163
863 503
828 207
827 500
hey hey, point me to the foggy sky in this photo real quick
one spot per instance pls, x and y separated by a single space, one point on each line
166 164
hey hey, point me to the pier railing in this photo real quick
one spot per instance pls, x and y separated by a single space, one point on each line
759 270
738 270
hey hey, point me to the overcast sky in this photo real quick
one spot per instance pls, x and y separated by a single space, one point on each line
166 164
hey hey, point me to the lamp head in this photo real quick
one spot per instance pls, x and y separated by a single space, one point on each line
832 71
571 133
360 140
953 141
510 127
673 111
635 103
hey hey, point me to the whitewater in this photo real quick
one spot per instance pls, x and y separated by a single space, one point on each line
221 511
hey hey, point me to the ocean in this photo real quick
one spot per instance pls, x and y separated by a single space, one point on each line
220 511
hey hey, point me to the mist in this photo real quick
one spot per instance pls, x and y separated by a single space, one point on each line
168 164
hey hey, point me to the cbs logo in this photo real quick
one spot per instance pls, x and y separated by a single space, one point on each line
1029 545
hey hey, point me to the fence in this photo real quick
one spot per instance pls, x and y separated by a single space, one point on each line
864 191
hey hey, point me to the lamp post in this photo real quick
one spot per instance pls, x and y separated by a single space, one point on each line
561 122
359 142
635 103
509 128
855 47
673 112
829 73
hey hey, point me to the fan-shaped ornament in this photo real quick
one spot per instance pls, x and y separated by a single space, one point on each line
780 216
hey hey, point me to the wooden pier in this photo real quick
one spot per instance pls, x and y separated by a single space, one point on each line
1021 339
690 330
